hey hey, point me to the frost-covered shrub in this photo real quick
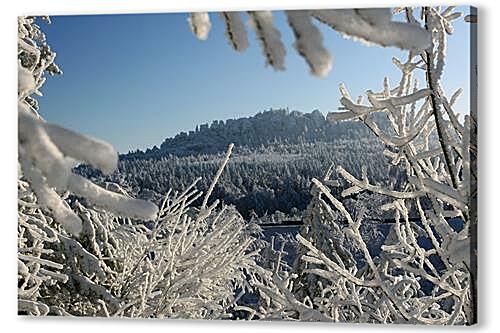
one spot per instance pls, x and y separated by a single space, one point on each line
192 262
187 263
89 251
424 272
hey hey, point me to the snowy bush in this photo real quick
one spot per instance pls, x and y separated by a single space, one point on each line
424 272
79 253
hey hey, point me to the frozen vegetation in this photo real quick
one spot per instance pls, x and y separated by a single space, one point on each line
372 26
120 242
285 149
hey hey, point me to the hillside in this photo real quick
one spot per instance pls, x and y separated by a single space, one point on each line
268 127
276 155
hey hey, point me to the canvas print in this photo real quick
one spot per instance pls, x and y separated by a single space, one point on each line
295 165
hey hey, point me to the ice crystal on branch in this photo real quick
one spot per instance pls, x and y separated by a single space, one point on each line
200 25
48 152
424 273
373 26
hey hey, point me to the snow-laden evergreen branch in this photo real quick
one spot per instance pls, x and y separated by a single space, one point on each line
373 26
309 42
200 24
235 31
47 152
272 47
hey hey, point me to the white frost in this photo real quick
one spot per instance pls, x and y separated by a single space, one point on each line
48 153
116 203
375 26
25 81
200 24
97 153
375 16
309 42
270 38
235 30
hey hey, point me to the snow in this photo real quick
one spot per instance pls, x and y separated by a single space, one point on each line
309 42
118 204
371 25
200 24
48 198
49 153
375 26
273 48
235 31
97 153
25 81
375 16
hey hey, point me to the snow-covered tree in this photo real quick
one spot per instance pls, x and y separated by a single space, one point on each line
48 227
425 272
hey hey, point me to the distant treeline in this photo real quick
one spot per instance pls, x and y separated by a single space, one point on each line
272 175
290 127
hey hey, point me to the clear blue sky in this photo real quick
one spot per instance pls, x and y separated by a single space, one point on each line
134 80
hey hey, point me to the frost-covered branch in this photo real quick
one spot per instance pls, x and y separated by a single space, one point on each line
422 274
235 31
47 152
269 37
200 24
372 26
309 42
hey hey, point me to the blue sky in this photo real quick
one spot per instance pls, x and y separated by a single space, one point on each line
134 80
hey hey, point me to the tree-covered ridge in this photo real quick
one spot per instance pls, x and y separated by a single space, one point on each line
268 127
277 155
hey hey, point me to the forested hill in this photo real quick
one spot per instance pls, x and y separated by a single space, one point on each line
277 154
263 129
